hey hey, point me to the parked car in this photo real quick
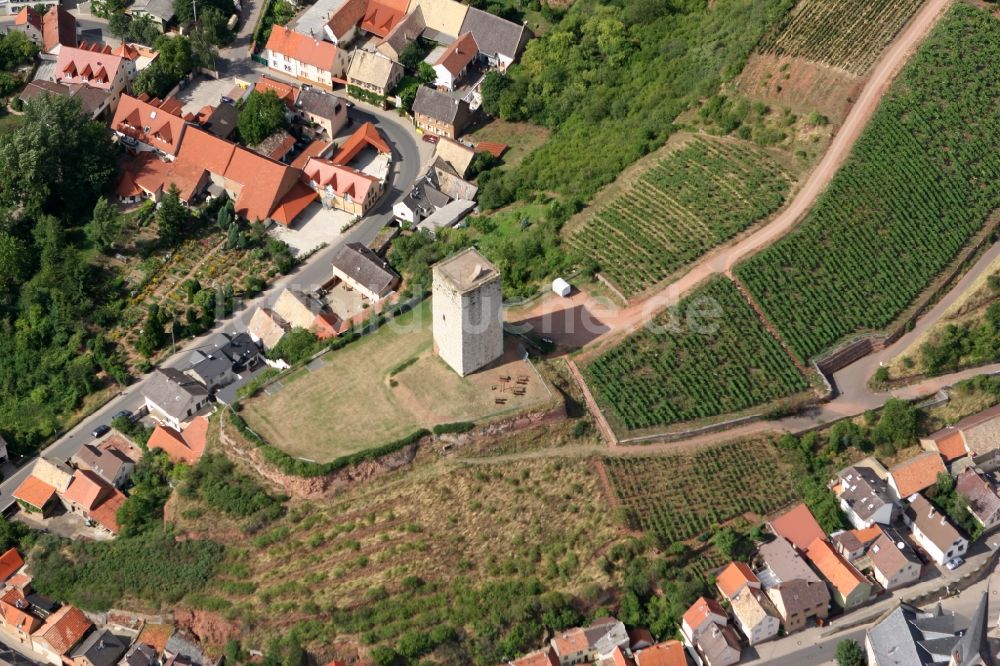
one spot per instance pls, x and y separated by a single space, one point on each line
227 100
123 414
430 138
954 563
101 430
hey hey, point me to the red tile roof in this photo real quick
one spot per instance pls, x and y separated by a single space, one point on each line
296 201
347 17
734 578
206 150
14 611
181 446
265 183
81 65
64 629
668 653
314 149
10 562
105 514
541 658
152 123
35 492
915 474
459 54
844 577
799 526
952 447
366 135
701 610
296 46
495 149
58 27
381 17
28 16
86 489
343 180
570 642
285 92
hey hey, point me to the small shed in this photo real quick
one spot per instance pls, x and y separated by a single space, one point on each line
561 287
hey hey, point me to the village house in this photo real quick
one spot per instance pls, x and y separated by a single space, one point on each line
798 526
406 31
734 578
499 41
864 497
456 154
932 531
62 631
300 310
894 563
312 60
266 328
181 446
909 635
364 271
585 645
342 187
797 593
327 111
160 12
447 216
454 62
916 474
173 397
984 504
853 544
977 435
110 464
140 654
443 18
91 497
667 653
374 73
439 113
50 31
705 627
100 648
755 615
286 92
97 67
221 361
449 182
94 103
144 124
276 146
423 199
10 563
38 491
848 586
17 618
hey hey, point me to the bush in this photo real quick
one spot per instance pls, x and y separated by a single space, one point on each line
217 482
458 427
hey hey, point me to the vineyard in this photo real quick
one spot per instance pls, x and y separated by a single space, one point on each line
697 197
686 366
849 34
922 180
677 498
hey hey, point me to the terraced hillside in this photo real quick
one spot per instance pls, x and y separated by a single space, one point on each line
921 182
711 355
849 34
701 194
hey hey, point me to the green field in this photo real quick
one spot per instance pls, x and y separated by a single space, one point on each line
681 368
698 196
377 390
849 34
921 182
676 498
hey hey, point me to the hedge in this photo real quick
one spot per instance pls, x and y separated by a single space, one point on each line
296 467
366 96
458 427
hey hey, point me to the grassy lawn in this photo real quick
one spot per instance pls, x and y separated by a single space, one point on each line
521 137
9 122
364 397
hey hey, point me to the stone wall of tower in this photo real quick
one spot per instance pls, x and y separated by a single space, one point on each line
468 326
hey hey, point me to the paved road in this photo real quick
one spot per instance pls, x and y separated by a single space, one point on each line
409 158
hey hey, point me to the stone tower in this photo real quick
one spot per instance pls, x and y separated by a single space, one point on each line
466 304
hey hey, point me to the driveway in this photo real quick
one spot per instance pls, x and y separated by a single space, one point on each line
314 227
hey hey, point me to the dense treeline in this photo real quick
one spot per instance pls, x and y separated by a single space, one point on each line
52 171
609 79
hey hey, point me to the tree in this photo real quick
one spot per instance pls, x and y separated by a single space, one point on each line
16 48
426 73
184 9
57 162
414 53
849 653
494 83
118 24
153 335
296 345
846 434
203 44
732 544
261 116
171 216
897 426
104 226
